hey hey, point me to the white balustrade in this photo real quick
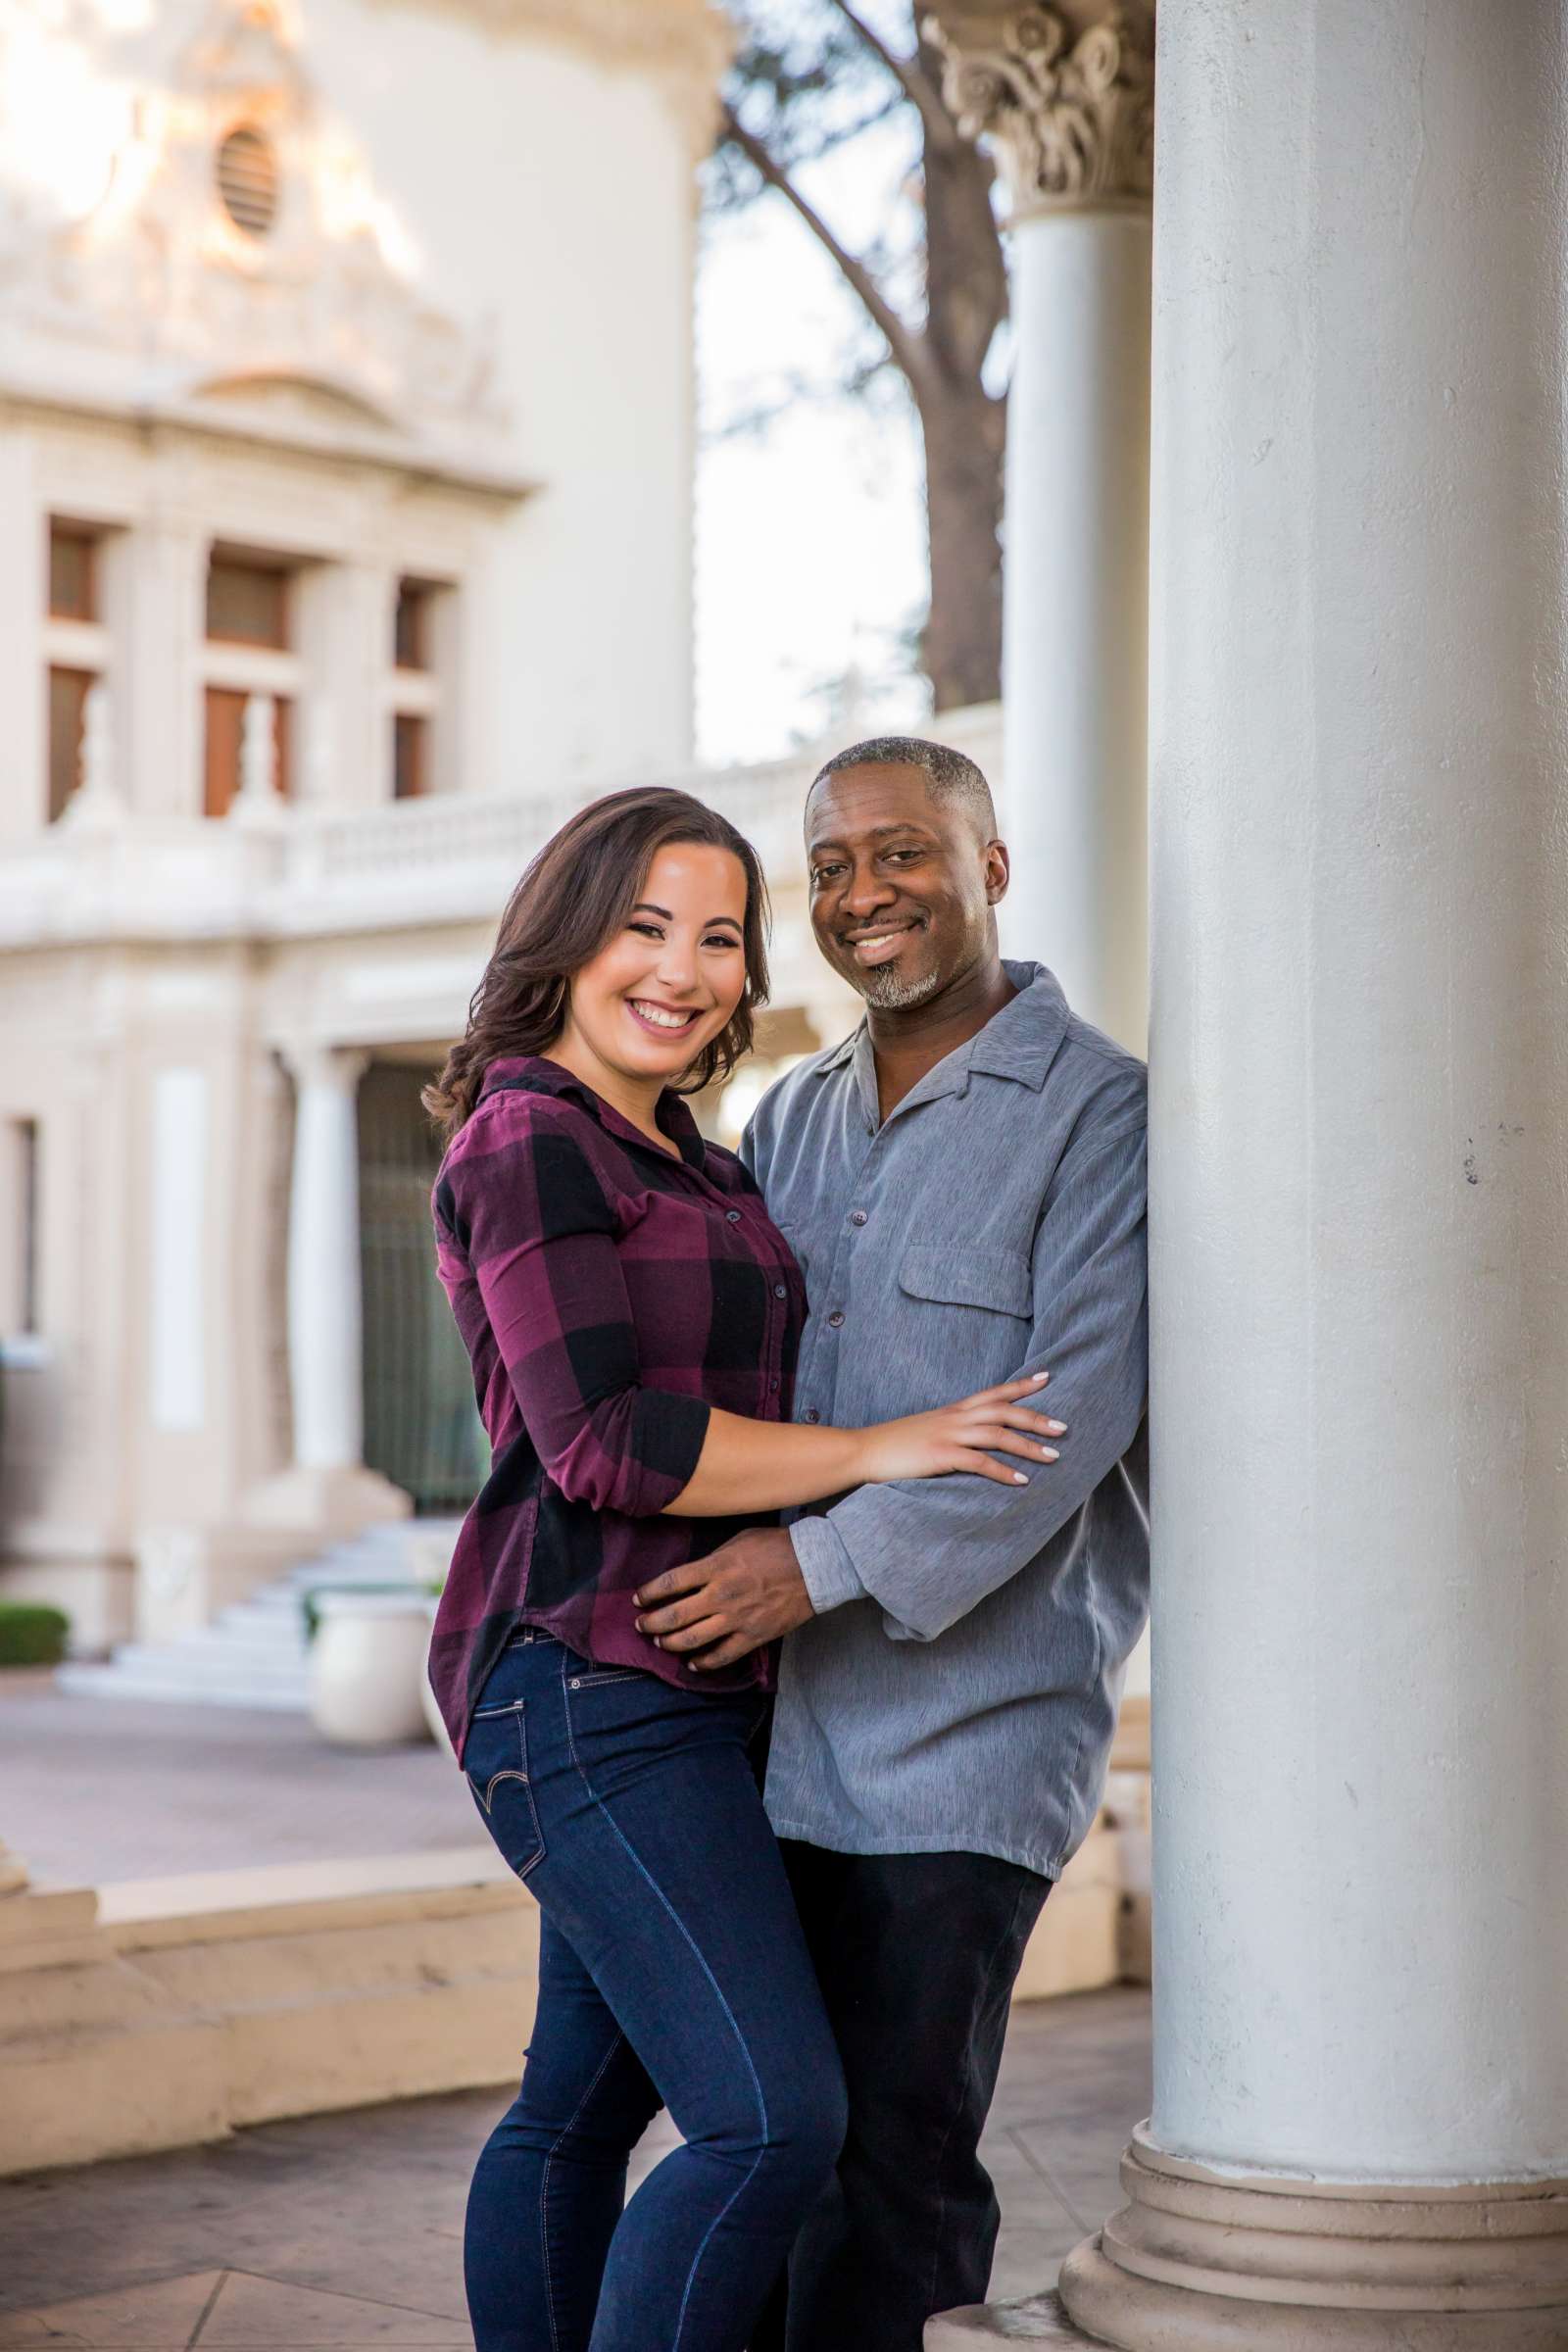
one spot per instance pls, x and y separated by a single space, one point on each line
290 870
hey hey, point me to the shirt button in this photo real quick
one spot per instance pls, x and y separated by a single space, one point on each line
836 1317
811 1413
781 1289
858 1216
734 1215
773 1388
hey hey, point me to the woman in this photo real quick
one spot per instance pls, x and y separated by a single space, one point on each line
632 1317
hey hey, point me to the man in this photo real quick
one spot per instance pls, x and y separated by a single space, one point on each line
964 1181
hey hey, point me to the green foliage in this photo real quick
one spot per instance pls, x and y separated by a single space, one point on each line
806 81
32 1634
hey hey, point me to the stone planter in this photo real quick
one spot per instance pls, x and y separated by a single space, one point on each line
367 1669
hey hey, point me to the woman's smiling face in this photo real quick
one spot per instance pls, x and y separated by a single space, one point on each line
670 979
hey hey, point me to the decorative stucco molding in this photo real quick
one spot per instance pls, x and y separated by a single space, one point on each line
1066 94
159 300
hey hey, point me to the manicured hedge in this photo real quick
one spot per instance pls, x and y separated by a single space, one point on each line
31 1635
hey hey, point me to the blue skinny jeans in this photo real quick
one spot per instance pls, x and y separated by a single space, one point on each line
673 1972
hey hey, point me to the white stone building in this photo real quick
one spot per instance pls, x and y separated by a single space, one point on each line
346 427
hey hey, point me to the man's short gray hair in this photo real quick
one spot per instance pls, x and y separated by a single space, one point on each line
950 775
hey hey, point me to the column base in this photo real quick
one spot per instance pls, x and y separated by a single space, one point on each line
334 1502
1197 2262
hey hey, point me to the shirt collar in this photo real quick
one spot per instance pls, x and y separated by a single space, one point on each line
1019 1041
536 1074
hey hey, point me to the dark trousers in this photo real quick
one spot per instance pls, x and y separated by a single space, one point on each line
917 1955
671 1969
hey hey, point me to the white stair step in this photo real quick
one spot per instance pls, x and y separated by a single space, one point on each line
194 1660
272 1640
281 1693
175 1694
255 1653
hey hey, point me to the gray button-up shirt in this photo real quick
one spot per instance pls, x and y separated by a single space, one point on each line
957 1687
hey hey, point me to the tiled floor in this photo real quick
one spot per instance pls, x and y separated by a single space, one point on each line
345 2230
102 1789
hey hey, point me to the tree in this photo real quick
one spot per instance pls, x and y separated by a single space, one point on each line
811 77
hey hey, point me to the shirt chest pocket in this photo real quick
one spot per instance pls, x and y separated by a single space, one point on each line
997 1281
967 1313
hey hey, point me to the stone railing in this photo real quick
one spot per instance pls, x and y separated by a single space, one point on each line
293 871
455 856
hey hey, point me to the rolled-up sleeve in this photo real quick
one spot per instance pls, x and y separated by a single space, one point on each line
528 1208
927 1550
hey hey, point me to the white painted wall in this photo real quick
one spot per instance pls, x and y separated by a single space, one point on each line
553 195
1360 1089
177 1198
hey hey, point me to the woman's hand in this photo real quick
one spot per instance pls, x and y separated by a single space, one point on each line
964 1437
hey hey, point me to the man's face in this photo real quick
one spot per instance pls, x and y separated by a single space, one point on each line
902 884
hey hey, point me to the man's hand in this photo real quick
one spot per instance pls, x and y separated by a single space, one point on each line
747 1593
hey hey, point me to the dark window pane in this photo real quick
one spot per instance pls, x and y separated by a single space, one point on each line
226 736
247 604
68 690
409 648
73 586
408 746
26 1149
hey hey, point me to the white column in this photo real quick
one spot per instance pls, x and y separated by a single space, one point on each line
1066 93
1360 1123
347 617
323 1260
179 1191
328 1482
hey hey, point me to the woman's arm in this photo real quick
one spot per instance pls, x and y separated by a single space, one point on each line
769 1466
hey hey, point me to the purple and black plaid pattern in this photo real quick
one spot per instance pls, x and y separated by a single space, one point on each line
609 1295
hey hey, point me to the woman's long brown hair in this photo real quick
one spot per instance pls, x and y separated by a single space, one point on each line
572 902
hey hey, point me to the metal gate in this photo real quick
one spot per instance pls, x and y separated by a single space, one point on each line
421 1428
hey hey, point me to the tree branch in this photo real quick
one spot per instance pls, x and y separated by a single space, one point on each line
907 346
940 129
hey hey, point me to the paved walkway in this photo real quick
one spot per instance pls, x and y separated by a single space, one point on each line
101 1790
345 2230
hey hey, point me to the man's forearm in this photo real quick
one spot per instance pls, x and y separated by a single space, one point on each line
827 1571
928 1551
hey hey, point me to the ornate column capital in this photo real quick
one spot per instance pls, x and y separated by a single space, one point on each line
312 1063
1063 88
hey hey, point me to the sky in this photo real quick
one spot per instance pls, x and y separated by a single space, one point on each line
811 533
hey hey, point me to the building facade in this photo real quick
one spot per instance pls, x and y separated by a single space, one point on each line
346 433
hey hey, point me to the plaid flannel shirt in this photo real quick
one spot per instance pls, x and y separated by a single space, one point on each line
609 1295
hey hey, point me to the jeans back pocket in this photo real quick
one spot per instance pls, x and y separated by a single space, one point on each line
494 1764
